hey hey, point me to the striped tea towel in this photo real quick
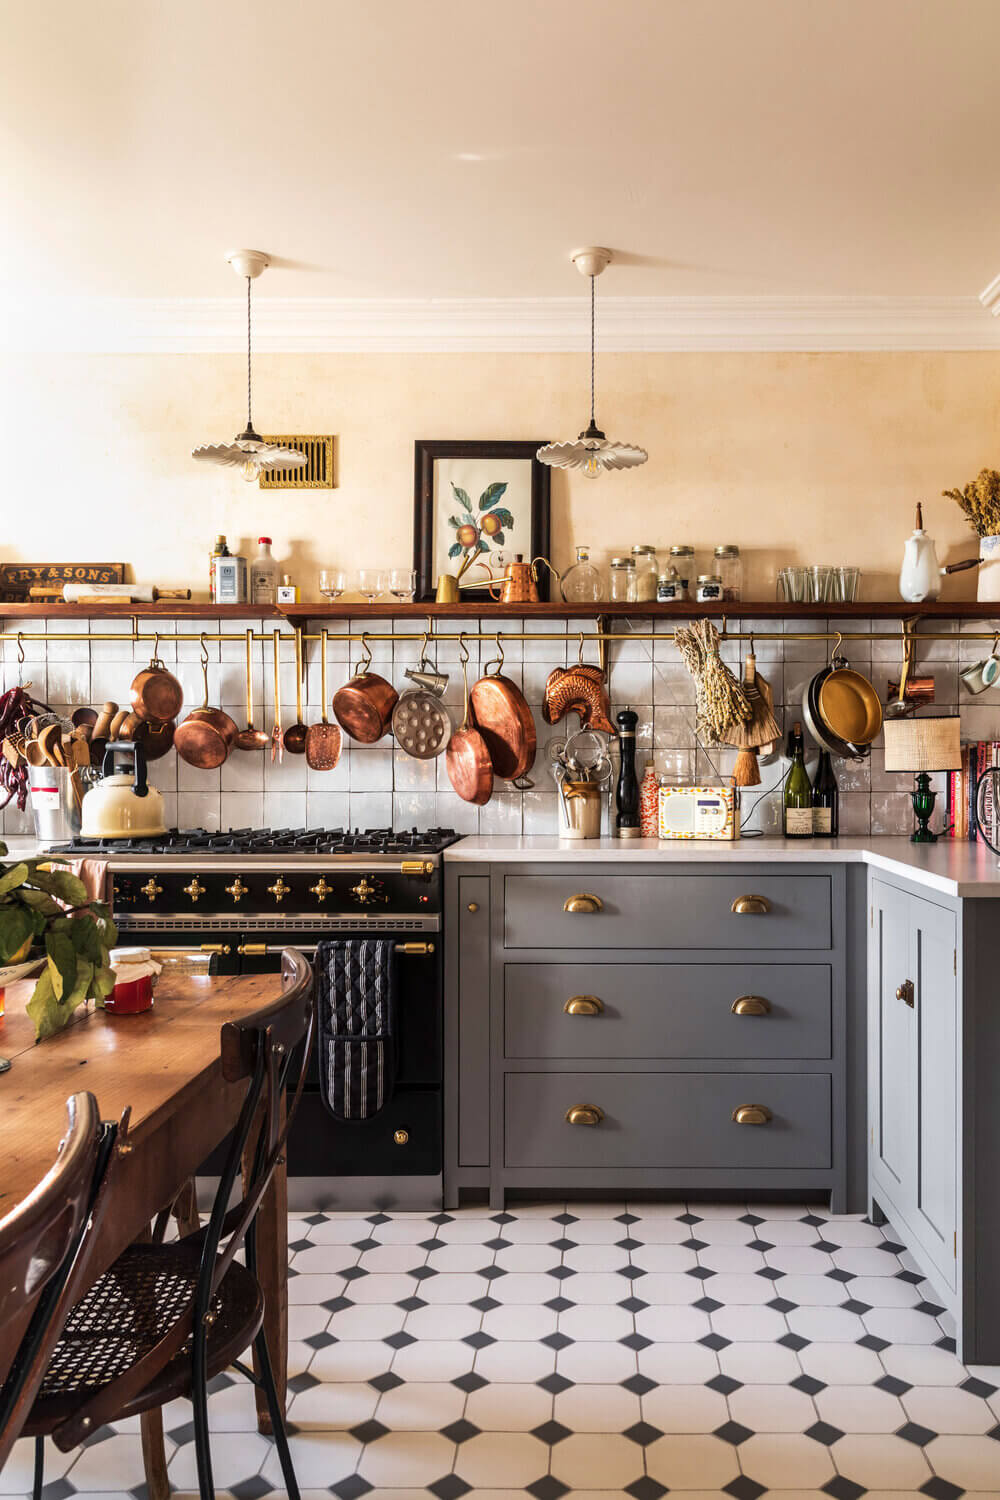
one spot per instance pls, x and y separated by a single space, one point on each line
357 1011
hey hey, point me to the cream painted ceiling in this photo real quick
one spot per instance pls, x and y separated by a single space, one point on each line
454 148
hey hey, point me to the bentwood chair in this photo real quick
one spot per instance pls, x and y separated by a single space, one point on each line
42 1249
166 1318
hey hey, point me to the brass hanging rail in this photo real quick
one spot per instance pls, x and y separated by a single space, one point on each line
597 636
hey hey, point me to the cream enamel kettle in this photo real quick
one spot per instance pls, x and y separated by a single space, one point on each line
122 805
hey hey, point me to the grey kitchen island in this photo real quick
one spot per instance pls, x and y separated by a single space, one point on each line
756 1018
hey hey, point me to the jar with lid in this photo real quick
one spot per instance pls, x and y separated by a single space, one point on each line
682 558
729 566
709 588
582 583
646 571
135 970
669 587
621 577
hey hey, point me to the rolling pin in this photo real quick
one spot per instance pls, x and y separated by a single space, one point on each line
138 593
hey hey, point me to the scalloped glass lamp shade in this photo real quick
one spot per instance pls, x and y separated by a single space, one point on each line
592 453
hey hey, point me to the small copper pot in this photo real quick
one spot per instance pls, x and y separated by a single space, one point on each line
156 693
207 735
363 707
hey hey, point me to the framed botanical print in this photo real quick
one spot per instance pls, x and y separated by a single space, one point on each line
476 505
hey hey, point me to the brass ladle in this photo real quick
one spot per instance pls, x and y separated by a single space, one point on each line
250 738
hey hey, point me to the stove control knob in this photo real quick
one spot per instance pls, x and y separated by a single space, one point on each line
366 892
195 889
400 1137
237 889
151 890
320 890
279 890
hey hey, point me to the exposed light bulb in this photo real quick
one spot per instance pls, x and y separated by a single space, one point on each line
250 469
592 468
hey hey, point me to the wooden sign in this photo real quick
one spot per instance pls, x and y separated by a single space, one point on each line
17 578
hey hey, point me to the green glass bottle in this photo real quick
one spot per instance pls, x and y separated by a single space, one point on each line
798 792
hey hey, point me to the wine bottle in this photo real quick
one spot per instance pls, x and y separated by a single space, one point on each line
798 792
825 799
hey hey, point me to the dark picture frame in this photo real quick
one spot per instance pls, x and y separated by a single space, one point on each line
426 452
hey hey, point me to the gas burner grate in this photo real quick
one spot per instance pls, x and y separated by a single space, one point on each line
272 841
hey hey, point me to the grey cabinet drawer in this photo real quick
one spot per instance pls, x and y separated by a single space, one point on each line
666 1010
667 1120
667 911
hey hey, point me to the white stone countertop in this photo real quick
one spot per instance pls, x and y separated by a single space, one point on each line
953 866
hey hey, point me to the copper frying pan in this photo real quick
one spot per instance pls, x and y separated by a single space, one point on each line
501 714
467 757
363 707
206 736
156 693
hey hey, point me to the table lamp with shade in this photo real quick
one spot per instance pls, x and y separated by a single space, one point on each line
923 746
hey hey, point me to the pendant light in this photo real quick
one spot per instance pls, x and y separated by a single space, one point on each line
592 452
248 450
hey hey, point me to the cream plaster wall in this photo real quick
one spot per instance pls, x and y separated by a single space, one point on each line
797 457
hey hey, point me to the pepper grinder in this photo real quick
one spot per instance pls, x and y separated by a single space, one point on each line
627 796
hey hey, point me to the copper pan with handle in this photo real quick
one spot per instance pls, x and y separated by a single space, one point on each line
207 735
501 713
363 707
470 769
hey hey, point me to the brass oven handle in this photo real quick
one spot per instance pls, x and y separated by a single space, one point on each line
260 950
584 1114
752 1114
750 906
415 950
254 950
751 1005
214 948
416 867
905 993
583 1005
583 901
222 948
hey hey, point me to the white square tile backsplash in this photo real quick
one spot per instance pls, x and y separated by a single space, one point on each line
375 785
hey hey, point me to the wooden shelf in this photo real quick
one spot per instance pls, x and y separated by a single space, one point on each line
174 609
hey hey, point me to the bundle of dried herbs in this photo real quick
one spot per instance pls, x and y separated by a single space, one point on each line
720 699
980 501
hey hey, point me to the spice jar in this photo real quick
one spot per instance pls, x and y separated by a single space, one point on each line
135 971
682 558
621 577
729 566
709 588
646 571
669 587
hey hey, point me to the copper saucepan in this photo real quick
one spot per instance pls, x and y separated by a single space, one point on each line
470 769
207 735
501 714
156 693
363 707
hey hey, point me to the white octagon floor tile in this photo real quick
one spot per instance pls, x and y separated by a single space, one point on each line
423 1406
672 1324
684 1462
446 1320
860 1408
517 1320
750 1362
785 1460
881 1461
772 1408
972 1462
407 1458
756 1323
596 1363
507 1407
337 1404
921 1364
684 1408
351 1360
235 1456
496 1459
432 1359
590 1459
597 1408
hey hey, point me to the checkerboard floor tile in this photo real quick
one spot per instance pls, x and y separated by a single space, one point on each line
611 1349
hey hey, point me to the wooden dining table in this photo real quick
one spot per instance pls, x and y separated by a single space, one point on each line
165 1066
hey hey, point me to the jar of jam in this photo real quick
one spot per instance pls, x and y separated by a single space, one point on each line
135 971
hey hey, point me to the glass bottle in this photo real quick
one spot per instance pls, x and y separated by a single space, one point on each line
646 570
621 576
219 550
729 566
825 799
649 802
798 816
264 575
582 583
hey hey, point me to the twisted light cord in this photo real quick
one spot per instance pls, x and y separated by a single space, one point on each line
593 376
249 390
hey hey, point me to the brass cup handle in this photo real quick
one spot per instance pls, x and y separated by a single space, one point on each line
583 1005
750 906
751 1005
752 1114
583 901
905 993
584 1114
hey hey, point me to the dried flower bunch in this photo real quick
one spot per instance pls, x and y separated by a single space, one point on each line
980 501
721 701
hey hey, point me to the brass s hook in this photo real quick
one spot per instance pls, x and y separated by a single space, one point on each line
463 650
366 664
204 651
579 651
497 660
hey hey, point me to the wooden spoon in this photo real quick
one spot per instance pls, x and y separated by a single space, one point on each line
250 738
50 743
295 737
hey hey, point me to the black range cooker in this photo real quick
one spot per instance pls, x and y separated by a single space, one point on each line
243 896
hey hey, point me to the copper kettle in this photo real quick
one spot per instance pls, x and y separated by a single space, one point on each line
519 584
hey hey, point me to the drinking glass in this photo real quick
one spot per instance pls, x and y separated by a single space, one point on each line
403 583
792 585
818 582
371 583
845 585
332 582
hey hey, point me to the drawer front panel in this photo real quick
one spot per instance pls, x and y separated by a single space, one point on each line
667 911
667 1010
668 1120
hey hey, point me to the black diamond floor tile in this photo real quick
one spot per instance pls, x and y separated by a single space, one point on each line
387 1382
941 1489
743 1488
402 1339
470 1382
913 1432
645 1488
782 1305
976 1387
351 1488
715 1341
639 1385
876 1345
482 1304
808 1385
302 1382
793 1341
320 1340
824 1432
449 1487
478 1340
554 1384
547 1488
724 1384
843 1489
635 1341
58 1490
642 1433
551 1432
893 1386
251 1489
370 1431
557 1341
460 1431
733 1432
633 1304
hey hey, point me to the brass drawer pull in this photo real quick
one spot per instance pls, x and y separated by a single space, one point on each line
751 1005
473 906
583 1005
584 1114
583 901
400 1137
752 1114
905 993
751 906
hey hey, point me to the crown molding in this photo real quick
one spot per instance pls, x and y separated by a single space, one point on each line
495 325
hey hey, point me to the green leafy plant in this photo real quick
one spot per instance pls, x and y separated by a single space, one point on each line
49 908
475 535
980 501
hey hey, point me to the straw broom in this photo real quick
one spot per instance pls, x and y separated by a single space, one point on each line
760 729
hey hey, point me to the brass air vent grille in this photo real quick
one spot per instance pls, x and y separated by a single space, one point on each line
316 474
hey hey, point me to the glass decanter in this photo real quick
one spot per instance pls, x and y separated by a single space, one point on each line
582 583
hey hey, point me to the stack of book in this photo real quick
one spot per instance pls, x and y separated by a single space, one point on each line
960 806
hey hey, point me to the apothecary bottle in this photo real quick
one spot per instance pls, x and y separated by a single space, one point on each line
582 583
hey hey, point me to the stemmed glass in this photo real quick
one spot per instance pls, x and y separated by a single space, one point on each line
332 582
403 583
371 583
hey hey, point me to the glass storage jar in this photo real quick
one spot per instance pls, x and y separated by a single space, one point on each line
646 571
729 567
709 588
621 576
682 558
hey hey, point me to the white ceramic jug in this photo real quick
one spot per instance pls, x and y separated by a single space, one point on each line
920 574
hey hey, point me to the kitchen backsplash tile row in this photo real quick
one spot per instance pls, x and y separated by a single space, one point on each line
377 785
